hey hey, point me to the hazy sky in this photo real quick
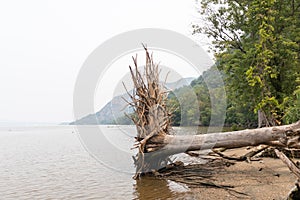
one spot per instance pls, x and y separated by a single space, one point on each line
44 43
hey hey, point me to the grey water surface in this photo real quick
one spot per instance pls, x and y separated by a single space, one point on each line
51 163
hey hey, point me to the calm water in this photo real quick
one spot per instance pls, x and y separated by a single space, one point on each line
51 163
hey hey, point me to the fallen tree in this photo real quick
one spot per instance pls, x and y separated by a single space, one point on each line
155 139
281 136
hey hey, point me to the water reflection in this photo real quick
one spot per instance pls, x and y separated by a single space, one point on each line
155 188
152 188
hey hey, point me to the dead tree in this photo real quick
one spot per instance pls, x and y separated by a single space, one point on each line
151 116
154 140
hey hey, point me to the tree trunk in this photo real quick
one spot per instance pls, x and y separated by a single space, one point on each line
283 136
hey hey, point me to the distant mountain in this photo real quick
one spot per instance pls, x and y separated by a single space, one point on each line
113 111
180 83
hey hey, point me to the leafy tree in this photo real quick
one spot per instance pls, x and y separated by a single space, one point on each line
256 44
198 111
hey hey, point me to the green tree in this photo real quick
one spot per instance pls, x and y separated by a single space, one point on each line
256 44
198 111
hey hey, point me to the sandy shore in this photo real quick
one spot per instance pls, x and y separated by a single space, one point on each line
265 179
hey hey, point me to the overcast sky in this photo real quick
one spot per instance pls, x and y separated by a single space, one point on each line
44 43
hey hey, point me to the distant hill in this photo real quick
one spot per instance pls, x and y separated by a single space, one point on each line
113 111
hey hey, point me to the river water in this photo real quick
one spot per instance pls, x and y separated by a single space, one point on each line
51 163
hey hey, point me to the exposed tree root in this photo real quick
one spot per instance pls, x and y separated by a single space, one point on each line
200 175
152 118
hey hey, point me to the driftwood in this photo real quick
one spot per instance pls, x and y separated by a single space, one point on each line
291 165
247 157
155 139
295 192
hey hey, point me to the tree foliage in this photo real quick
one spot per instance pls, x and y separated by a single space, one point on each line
198 111
256 44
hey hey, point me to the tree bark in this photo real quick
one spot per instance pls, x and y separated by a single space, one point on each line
283 136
